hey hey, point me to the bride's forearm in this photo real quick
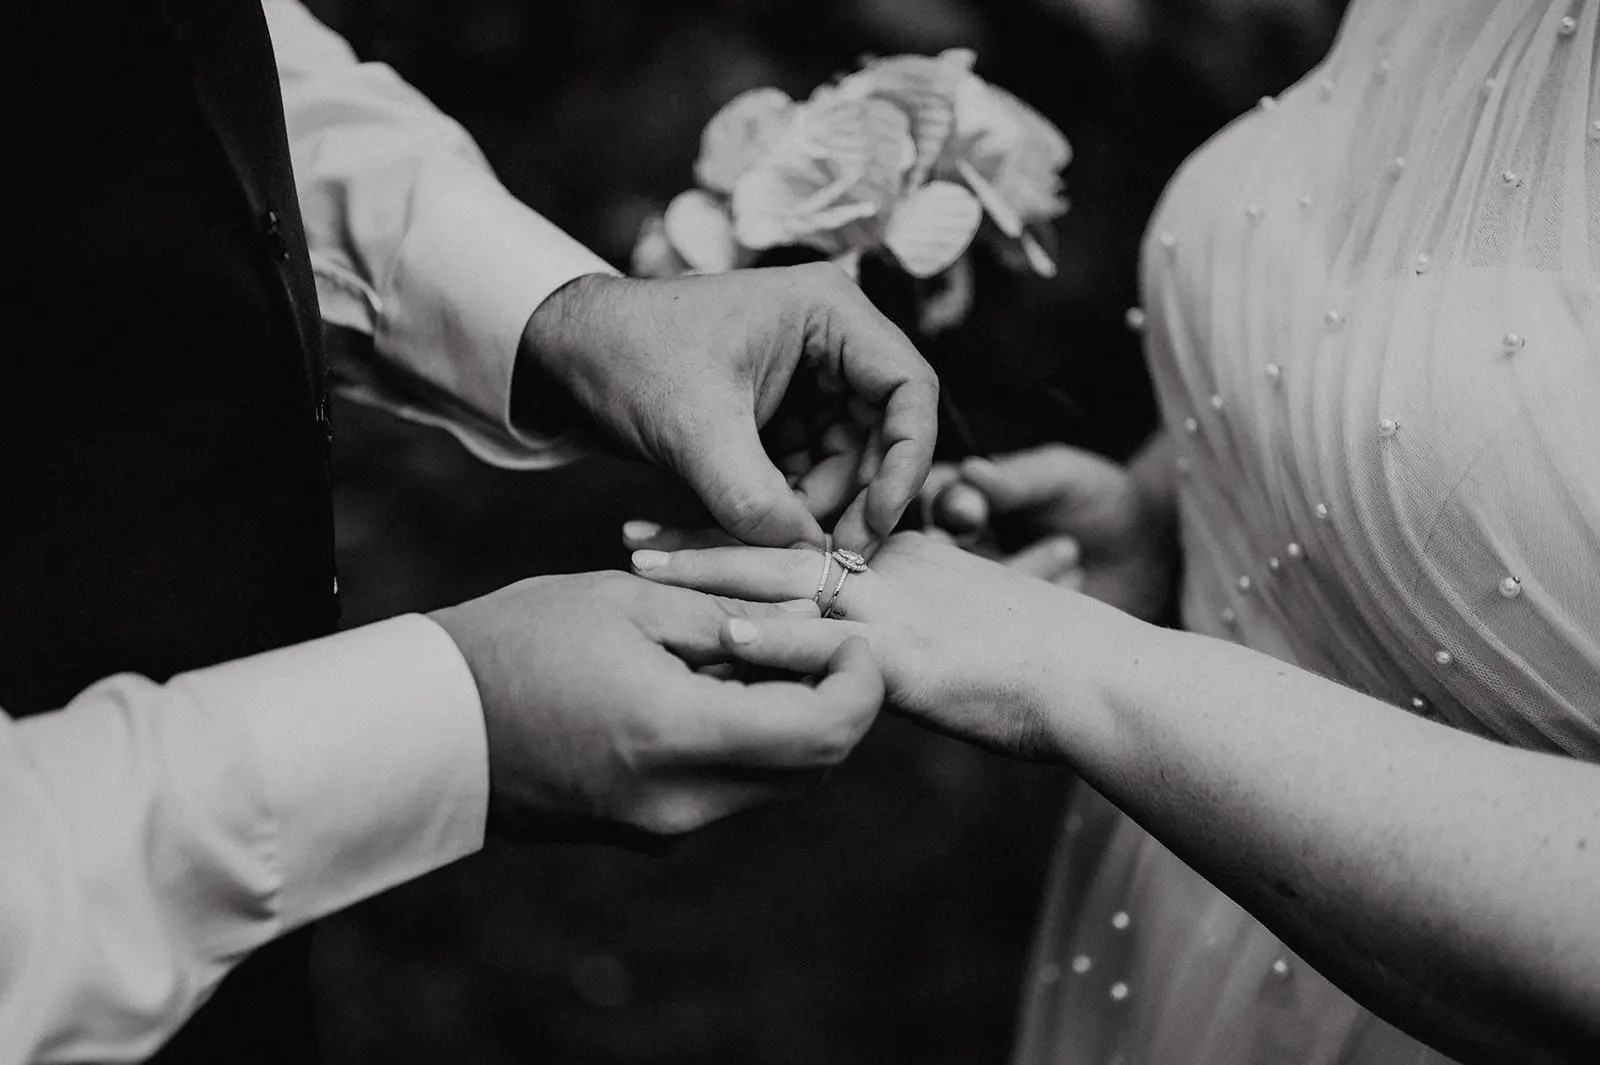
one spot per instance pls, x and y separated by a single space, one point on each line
1450 883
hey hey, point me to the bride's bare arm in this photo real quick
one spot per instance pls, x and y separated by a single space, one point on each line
1450 883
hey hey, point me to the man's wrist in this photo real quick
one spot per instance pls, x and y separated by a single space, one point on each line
550 354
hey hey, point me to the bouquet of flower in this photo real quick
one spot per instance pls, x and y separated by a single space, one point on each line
911 159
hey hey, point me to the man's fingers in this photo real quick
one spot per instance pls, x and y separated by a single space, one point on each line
1046 559
827 488
764 574
910 426
794 726
797 644
689 624
741 487
879 363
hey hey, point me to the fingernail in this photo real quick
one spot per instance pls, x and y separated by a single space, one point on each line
978 465
640 530
799 606
742 631
649 559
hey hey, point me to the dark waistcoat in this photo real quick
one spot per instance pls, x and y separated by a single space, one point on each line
164 496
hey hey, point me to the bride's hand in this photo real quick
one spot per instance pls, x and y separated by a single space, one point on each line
1089 523
968 646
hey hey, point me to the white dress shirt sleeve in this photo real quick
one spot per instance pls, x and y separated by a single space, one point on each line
415 242
153 835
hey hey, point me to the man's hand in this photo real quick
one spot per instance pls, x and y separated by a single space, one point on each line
603 723
685 372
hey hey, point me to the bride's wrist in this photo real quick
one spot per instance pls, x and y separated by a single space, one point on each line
1081 676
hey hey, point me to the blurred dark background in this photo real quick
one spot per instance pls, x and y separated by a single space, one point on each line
884 917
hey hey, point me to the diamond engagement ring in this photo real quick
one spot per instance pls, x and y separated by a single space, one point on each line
849 562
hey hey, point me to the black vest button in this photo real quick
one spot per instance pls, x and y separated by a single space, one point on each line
272 226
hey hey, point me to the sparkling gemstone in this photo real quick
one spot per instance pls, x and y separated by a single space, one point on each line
1244 582
1512 343
1567 26
1444 658
1424 260
1216 401
1321 511
1280 969
1120 920
1273 371
1191 426
1119 991
1274 563
1081 964
1134 318
1294 550
1333 318
1510 587
1387 426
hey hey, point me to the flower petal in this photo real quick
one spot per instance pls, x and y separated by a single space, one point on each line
1004 216
738 134
653 253
701 231
932 227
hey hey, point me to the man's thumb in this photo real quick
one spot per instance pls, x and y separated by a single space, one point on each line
730 471
1038 477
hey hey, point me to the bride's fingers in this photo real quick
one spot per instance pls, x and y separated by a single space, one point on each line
765 574
1047 558
636 534
794 644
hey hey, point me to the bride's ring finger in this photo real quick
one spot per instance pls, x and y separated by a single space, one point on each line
763 574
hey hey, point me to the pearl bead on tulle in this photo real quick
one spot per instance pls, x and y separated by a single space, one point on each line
1387 427
1120 920
1081 964
1049 974
1229 616
1216 401
1294 550
1168 240
1444 658
1119 991
1567 26
1325 90
1134 319
1305 200
1280 969
1267 103
1274 563
1424 260
1512 343
1333 318
1255 211
1191 426
1273 371
1321 511
1418 703
1244 582
1510 587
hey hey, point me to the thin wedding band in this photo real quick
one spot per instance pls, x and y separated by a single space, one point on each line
827 567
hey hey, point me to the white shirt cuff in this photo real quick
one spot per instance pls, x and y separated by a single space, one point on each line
371 748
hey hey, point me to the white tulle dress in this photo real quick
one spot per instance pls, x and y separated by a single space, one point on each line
1373 318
